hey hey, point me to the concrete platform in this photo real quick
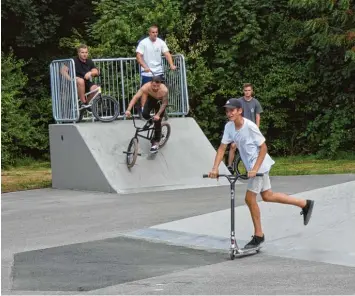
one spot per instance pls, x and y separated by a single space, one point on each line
97 148
73 243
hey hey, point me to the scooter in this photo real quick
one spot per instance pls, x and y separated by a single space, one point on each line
235 251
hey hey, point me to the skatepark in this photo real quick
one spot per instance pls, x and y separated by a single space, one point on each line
127 235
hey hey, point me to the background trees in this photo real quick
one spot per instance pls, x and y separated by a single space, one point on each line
299 54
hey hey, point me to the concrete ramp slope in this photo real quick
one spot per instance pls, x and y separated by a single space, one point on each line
89 156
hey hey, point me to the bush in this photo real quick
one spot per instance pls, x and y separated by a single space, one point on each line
22 134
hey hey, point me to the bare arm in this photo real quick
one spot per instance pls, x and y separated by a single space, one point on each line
257 120
163 105
94 72
141 62
65 72
135 98
170 60
219 156
260 159
218 159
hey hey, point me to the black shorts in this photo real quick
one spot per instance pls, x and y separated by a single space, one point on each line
88 85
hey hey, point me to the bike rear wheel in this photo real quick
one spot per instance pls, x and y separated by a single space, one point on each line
132 153
165 133
238 166
105 108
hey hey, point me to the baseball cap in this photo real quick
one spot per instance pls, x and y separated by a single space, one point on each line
233 103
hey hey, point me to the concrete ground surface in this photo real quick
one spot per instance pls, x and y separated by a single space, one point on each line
72 242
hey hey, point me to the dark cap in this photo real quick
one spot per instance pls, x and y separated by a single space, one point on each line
233 103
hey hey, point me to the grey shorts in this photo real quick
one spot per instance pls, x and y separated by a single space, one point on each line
259 184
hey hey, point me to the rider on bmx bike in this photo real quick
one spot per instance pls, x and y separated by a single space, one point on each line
154 95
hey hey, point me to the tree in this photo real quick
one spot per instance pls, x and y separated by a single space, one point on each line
23 133
329 32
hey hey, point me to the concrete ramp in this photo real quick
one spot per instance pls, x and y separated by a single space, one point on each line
89 156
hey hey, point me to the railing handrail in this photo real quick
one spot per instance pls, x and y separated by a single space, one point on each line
119 77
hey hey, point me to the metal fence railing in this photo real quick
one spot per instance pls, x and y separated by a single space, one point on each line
119 78
64 91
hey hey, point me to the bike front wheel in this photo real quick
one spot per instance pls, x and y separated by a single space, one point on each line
165 134
105 108
132 153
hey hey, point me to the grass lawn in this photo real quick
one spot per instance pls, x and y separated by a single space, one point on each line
38 174
286 166
25 177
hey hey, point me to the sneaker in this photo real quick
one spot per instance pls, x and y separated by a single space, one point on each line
230 169
154 149
255 242
85 106
307 211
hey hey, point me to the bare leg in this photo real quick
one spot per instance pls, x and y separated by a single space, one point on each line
93 87
81 89
232 149
250 199
283 198
143 101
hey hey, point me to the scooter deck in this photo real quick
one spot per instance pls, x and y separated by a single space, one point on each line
244 252
250 250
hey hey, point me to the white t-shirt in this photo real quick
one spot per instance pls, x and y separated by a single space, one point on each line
152 55
248 139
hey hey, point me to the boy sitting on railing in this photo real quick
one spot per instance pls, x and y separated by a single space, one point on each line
85 69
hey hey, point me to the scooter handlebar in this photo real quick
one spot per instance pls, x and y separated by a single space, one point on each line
223 175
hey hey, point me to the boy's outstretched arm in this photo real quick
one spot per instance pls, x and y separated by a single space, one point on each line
259 161
218 159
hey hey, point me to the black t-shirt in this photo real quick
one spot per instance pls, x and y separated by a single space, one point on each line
82 68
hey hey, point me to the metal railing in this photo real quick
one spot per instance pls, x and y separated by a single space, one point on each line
119 78
64 91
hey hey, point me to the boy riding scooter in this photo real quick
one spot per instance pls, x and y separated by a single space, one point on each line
253 152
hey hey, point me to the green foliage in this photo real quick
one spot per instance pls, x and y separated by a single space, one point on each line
119 26
29 23
15 125
299 54
33 23
21 133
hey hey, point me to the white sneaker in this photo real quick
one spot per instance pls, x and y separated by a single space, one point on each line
154 149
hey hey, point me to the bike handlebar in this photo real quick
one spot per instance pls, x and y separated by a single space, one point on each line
148 122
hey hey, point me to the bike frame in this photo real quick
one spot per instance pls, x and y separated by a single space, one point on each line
97 90
145 128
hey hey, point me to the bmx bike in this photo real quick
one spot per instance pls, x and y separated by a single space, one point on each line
235 251
103 107
149 130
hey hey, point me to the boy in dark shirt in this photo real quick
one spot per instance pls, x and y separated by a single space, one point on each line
85 69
